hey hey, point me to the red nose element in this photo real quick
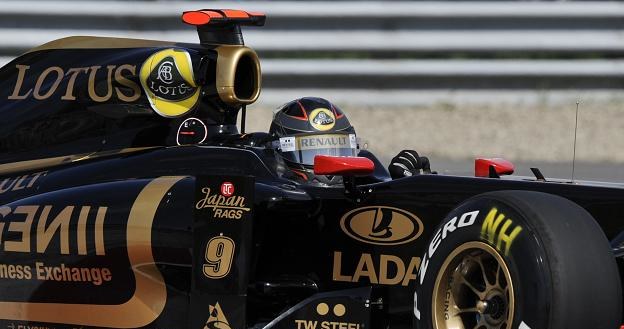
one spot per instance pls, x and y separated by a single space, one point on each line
342 166
501 167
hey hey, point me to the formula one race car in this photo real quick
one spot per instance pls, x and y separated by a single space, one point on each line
129 199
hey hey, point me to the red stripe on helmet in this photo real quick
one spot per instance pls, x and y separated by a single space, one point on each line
304 116
338 116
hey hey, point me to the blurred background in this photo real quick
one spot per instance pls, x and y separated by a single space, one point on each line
453 80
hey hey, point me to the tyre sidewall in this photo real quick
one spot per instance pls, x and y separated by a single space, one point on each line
523 255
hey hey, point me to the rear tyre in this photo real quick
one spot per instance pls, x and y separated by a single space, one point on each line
521 260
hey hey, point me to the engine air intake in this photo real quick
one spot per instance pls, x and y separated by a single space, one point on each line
238 78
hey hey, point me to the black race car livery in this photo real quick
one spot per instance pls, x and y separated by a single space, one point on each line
129 199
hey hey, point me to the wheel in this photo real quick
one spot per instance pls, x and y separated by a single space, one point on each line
521 260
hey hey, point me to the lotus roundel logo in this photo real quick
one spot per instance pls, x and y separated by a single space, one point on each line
381 225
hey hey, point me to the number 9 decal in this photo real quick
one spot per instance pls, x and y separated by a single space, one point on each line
219 256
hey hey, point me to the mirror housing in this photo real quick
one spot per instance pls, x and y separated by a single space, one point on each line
493 168
342 166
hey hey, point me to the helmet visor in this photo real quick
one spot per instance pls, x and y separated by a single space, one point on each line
303 148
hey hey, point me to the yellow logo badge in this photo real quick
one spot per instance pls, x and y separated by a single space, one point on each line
217 319
168 80
322 119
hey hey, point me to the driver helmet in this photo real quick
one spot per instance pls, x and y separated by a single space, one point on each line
310 126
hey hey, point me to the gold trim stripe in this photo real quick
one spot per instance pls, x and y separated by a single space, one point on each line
13 167
150 294
89 42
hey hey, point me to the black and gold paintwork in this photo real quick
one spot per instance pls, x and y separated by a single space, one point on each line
106 222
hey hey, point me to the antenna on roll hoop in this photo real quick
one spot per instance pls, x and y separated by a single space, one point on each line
243 117
575 131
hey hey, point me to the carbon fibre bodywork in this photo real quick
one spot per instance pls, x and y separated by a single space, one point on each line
293 244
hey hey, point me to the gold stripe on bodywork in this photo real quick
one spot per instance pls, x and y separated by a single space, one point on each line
88 42
150 294
13 167
9 168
